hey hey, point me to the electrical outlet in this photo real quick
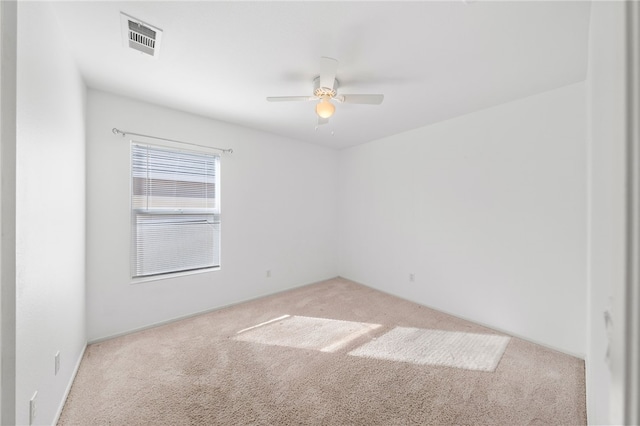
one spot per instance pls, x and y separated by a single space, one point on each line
32 409
268 273
57 361
412 277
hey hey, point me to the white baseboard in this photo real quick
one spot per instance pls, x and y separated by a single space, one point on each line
492 327
195 314
71 380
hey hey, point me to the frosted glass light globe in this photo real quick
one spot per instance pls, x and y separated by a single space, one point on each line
325 109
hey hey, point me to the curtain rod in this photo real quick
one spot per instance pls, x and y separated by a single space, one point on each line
123 133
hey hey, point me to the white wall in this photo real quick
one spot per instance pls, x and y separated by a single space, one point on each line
50 209
606 86
278 213
488 210
8 54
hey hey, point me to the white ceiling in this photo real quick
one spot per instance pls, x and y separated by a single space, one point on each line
431 60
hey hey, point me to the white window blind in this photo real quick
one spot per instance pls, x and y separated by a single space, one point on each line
175 213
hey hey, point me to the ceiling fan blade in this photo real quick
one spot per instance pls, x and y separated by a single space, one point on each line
360 99
328 69
290 98
322 121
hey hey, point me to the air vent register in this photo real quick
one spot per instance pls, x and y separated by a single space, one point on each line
140 36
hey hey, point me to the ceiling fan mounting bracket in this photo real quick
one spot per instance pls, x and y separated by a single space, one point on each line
322 92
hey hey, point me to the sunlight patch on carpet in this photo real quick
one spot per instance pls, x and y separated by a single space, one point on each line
322 334
437 347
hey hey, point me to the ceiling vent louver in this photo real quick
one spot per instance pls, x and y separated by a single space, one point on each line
140 36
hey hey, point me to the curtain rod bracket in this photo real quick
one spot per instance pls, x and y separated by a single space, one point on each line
116 131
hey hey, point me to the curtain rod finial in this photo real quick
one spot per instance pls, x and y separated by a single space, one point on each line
117 132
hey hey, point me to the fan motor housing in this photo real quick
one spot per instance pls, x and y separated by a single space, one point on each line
322 92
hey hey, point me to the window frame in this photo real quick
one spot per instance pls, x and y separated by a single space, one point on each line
132 215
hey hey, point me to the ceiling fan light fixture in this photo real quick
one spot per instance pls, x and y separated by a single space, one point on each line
325 88
325 108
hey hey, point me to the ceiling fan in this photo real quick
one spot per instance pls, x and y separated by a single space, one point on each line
325 89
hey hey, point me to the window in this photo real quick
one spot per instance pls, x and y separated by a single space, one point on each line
175 210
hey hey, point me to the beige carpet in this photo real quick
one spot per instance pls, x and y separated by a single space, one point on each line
332 353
